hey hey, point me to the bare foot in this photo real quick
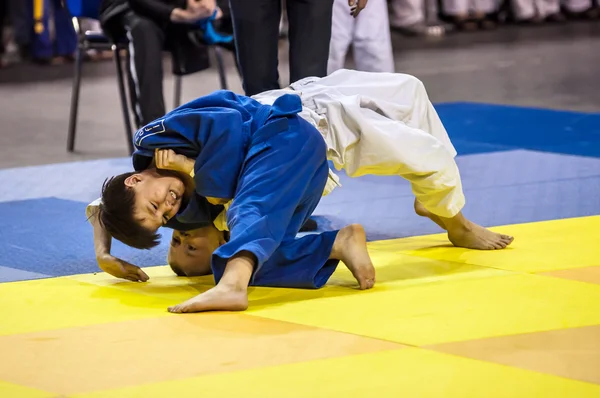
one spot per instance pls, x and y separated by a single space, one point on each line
464 233
350 247
423 212
219 298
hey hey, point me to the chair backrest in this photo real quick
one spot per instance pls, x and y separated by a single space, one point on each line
84 8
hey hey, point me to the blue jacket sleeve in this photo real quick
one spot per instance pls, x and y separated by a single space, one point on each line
283 178
214 130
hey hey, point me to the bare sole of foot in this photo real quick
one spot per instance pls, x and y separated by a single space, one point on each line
473 236
216 299
466 233
350 247
423 212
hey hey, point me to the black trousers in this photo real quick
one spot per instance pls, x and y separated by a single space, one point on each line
256 30
21 18
3 20
146 44
147 40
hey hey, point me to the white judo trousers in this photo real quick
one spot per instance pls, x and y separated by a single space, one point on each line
463 7
382 124
580 5
526 9
407 12
369 35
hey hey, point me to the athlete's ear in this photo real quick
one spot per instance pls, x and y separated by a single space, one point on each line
133 180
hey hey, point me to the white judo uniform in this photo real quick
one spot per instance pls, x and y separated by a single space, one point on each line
369 35
527 9
580 5
382 124
463 7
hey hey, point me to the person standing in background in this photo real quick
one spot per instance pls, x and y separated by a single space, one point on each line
589 9
3 12
537 10
369 35
256 30
151 27
472 15
54 38
417 18
21 20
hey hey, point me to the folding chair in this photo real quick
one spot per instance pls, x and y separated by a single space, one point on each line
88 40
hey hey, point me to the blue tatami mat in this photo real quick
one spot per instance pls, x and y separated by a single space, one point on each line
517 165
480 128
51 236
8 274
392 217
80 181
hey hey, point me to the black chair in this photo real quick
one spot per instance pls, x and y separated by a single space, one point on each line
89 40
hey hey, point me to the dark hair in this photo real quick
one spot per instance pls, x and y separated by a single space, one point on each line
117 214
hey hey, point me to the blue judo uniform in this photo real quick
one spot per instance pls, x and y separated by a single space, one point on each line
44 45
271 162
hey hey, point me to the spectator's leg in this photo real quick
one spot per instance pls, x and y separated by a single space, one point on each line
3 9
483 11
42 46
146 40
256 31
21 17
65 36
550 10
309 35
581 9
405 13
417 18
523 10
372 42
342 33
458 10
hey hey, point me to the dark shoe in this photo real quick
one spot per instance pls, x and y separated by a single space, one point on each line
487 24
556 18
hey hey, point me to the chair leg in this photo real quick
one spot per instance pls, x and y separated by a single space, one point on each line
75 98
221 67
177 92
124 106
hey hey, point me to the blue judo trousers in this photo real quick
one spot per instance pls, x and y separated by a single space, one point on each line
271 162
44 45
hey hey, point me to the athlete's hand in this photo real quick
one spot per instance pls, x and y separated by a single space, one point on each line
202 8
167 159
187 16
356 6
121 269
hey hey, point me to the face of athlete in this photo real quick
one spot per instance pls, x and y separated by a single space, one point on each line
191 251
157 197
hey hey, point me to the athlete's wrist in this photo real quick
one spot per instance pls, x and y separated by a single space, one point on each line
188 166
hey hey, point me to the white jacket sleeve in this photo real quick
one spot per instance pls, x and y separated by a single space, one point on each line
92 209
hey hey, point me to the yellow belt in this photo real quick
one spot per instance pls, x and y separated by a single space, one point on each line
38 14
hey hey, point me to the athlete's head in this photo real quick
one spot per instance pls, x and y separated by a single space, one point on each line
135 205
190 251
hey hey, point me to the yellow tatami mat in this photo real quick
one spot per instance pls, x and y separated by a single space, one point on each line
441 322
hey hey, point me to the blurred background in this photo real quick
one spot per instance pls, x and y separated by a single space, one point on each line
540 53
